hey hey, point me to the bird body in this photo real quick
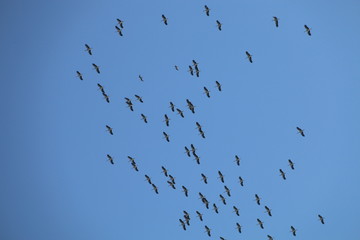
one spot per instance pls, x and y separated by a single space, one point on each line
276 20
249 56
79 75
88 49
301 131
307 30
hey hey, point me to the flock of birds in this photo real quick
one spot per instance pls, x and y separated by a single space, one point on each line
193 69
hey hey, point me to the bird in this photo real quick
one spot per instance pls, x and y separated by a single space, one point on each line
143 117
301 131
195 64
148 179
222 199
241 181
307 30
204 178
88 49
176 68
155 188
134 166
187 151
167 120
207 10
129 103
207 92
110 159
118 30
182 224
208 231
199 215
293 230
227 190
180 112
120 22
237 160
141 78
172 179
96 67
172 106
219 24
249 56
236 210
260 223
238 227
131 159
197 158
109 129
166 136
139 98
79 75
191 70
202 133
276 20
190 105
321 219
171 184
218 85
221 176
216 209
198 126
291 164
270 237
257 199
101 88
185 190
197 71
282 174
268 210
193 149
186 216
164 19
164 170
206 202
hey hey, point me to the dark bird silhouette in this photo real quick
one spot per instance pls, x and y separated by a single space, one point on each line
167 120
270 237
79 75
88 49
249 56
186 216
208 231
171 184
176 68
141 78
293 230
307 30
197 158
118 30
241 181
216 209
222 199
191 70
199 215
110 159
109 129
190 105
207 92
268 210
180 112
301 131
139 98
218 85
172 106
227 190
291 164
202 133
219 24
164 19
221 176
257 199
282 174
101 88
193 149
143 117
238 227
198 126
204 178
321 219
148 179
260 223
172 179
207 10
131 159
197 71
134 166
129 103
182 224
155 188
276 20
185 190
166 136
236 211
120 22
187 151
237 160
164 170
96 67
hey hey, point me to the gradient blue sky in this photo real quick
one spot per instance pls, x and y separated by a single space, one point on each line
55 180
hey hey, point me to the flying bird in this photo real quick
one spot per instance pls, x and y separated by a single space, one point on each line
187 151
109 129
101 88
260 223
207 92
166 136
249 56
282 174
276 20
307 30
190 105
202 133
79 75
143 117
236 211
193 149
291 164
180 112
172 106
139 98
208 231
204 178
293 230
155 188
182 224
241 181
134 166
131 159
167 120
207 10
237 160
197 158
120 22
141 78
195 64
197 71
301 131
221 176
172 179
110 159
164 170
216 209
171 184
238 227
88 49
257 199
198 126
321 219
227 190
118 30
222 199
219 24
96 67
218 85
129 103
199 215
106 98
191 70
185 190
186 215
148 179
164 19
176 68
268 210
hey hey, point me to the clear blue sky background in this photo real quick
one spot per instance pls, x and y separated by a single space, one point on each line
55 180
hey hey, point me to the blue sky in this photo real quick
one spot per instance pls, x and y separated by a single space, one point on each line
55 180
